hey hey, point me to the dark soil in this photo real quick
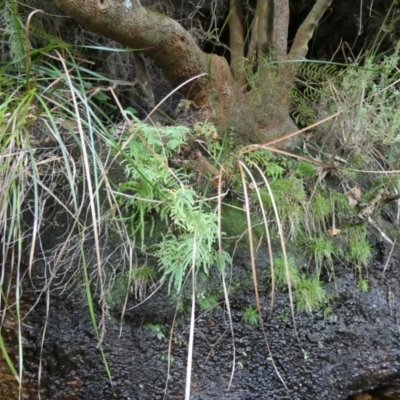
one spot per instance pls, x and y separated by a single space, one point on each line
355 348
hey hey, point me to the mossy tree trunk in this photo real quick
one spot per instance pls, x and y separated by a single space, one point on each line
219 93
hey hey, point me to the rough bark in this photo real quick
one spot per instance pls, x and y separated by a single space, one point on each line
281 28
299 48
277 26
260 29
236 41
263 115
161 38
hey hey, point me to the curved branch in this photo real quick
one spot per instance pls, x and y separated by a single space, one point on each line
159 37
299 48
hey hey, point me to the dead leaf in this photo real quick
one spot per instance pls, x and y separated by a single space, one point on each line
252 185
321 172
357 191
334 232
352 200
308 136
214 181
354 195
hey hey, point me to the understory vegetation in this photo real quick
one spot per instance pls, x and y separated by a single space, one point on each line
139 205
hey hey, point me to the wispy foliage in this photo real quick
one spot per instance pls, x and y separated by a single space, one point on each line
152 186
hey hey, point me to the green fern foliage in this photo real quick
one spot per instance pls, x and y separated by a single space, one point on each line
13 29
153 187
314 78
150 185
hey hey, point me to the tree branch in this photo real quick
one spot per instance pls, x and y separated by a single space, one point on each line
272 32
236 41
299 47
159 37
260 27
280 29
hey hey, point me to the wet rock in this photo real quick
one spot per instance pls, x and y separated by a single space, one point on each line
354 349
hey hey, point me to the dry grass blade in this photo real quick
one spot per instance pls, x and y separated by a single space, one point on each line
268 236
250 233
269 145
226 296
253 264
283 246
174 91
192 323
91 191
171 334
40 368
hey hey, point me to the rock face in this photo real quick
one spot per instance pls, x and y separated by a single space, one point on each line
354 348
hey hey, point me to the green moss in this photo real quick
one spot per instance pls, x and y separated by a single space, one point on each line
305 169
320 208
141 278
323 250
287 191
136 280
280 272
250 316
158 330
309 294
363 285
359 248
234 221
341 207
118 291
359 251
208 301
234 225
240 283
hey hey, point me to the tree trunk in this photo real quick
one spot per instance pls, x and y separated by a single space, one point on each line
257 115
161 38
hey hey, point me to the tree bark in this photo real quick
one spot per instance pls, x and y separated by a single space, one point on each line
279 122
161 38
281 29
299 47
264 114
236 41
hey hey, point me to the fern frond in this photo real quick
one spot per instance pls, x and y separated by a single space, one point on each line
13 29
317 72
45 38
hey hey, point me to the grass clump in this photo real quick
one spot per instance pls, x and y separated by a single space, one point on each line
141 278
323 251
320 211
135 280
115 296
363 285
359 251
309 294
250 316
305 169
208 301
290 196
280 272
